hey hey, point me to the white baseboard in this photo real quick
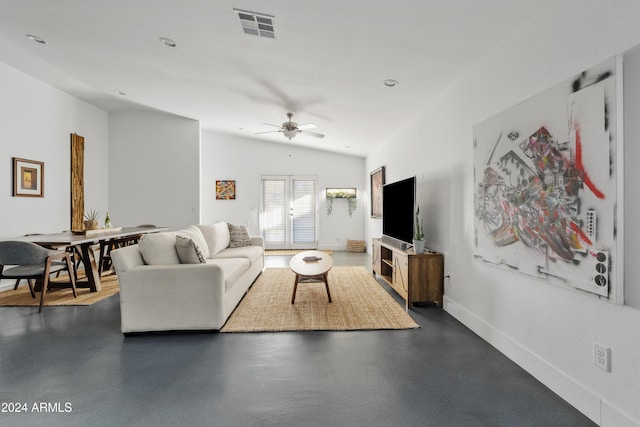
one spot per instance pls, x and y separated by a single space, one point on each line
337 247
576 394
5 285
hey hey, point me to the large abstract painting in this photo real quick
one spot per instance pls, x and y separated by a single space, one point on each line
545 183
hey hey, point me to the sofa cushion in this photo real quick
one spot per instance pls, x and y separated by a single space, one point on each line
252 253
159 248
233 269
194 233
216 235
188 251
239 236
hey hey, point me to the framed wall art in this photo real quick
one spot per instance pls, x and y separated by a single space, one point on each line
225 189
377 181
547 175
28 178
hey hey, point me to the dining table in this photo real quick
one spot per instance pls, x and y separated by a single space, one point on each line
82 244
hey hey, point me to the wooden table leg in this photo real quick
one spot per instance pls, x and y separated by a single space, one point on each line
324 277
90 268
92 281
295 288
326 284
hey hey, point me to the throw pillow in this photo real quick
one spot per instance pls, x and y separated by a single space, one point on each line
188 251
239 236
194 233
159 248
216 235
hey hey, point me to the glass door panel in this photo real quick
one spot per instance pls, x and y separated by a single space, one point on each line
289 217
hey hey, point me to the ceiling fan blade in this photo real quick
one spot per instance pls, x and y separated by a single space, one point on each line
307 126
315 134
267 131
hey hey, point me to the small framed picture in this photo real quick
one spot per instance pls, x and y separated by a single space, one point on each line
225 189
28 178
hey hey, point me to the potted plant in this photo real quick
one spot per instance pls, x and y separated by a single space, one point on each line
342 193
91 219
330 197
352 203
418 234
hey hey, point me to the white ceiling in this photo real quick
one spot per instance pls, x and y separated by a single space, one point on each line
326 65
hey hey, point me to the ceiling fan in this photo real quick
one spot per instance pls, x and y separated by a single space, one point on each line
290 129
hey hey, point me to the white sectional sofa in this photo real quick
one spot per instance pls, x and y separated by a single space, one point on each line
190 279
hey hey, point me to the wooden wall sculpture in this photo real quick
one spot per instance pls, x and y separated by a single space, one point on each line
77 182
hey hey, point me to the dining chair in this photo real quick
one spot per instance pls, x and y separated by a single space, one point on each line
29 282
26 260
105 263
104 260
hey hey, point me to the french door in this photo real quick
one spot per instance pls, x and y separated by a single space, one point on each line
289 214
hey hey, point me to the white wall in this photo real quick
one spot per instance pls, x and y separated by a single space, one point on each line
547 329
246 161
36 121
154 169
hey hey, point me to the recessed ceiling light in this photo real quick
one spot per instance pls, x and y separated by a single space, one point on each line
390 83
119 92
36 39
167 42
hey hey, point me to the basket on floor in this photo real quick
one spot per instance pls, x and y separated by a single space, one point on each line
355 246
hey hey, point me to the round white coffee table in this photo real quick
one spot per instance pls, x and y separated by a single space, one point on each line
311 267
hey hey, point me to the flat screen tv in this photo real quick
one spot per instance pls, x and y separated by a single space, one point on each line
398 201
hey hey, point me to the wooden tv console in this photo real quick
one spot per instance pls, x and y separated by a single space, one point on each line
418 278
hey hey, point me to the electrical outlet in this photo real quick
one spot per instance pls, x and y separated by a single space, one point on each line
601 356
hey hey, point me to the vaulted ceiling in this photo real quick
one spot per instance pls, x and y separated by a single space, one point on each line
326 63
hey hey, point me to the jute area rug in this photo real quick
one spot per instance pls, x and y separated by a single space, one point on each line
22 297
285 252
359 303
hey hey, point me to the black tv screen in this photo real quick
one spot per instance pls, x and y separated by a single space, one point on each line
398 200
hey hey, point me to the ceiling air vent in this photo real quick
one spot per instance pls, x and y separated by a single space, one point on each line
256 24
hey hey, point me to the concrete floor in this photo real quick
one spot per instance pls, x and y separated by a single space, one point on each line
76 362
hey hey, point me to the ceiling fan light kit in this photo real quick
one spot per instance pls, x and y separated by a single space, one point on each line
289 133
